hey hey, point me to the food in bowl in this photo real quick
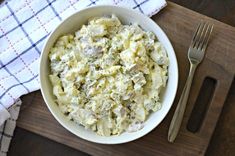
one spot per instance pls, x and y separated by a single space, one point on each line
108 76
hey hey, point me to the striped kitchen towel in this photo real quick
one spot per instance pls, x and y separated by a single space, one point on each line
24 26
8 127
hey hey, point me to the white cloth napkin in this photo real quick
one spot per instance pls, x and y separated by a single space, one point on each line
7 129
24 25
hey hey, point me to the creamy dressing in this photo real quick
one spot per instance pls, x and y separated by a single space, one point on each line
108 76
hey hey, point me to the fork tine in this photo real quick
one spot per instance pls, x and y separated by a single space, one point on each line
196 33
207 37
201 35
204 36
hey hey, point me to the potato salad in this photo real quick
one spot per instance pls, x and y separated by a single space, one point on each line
108 76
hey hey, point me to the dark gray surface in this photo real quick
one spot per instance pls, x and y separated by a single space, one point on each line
25 143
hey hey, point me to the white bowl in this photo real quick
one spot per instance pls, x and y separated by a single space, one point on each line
127 16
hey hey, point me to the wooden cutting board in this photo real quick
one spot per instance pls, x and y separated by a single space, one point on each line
208 93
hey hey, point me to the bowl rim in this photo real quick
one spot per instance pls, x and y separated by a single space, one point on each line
136 14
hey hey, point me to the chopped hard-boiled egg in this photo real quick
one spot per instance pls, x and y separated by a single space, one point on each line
108 76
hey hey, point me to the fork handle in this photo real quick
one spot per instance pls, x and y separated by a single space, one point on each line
180 109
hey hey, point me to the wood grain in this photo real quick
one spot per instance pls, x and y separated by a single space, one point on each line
223 140
179 24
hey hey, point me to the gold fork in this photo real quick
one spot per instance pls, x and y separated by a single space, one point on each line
195 55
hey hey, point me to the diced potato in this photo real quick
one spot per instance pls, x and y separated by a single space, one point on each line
107 76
